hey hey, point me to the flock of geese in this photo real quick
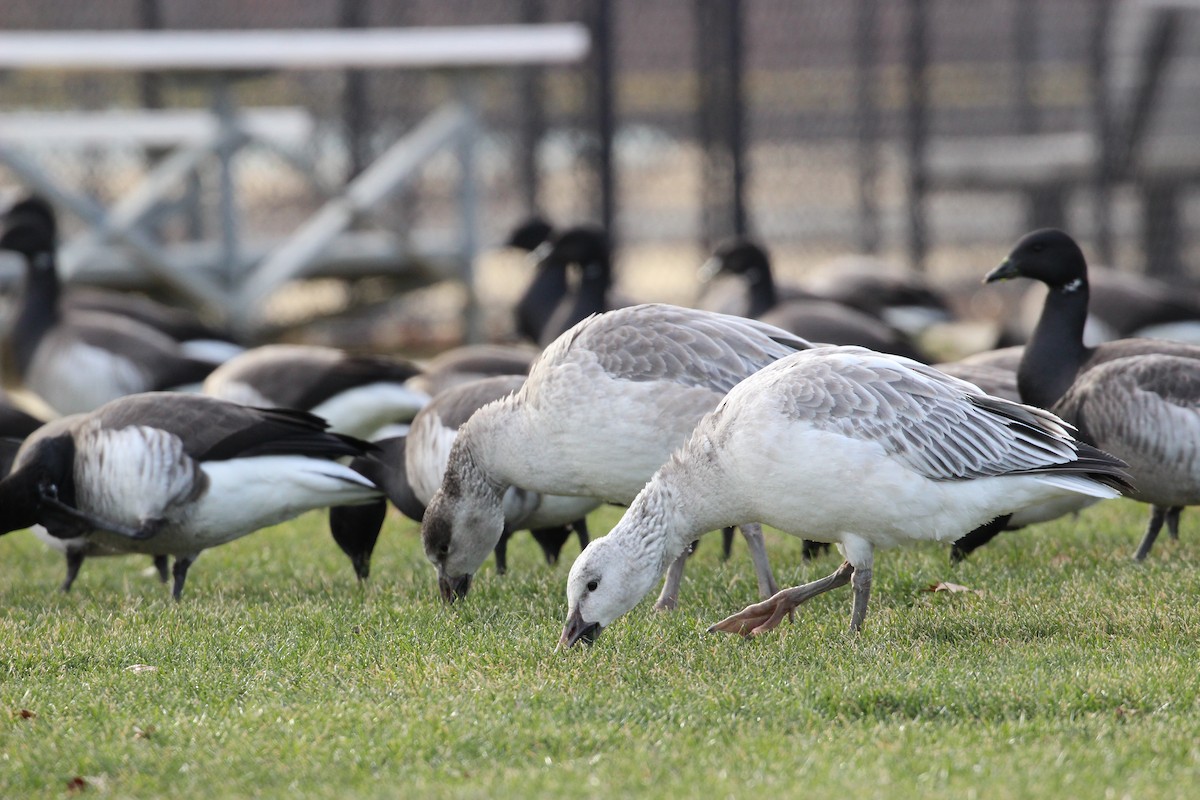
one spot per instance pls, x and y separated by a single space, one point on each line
813 409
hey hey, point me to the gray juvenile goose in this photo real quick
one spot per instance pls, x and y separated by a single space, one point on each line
615 395
928 457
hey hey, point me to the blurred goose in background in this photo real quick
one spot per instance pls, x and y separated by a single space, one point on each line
197 338
1123 305
611 397
172 474
549 284
470 363
928 455
78 360
1056 357
583 249
426 449
807 315
901 298
356 394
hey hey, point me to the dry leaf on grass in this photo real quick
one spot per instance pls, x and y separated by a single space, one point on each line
141 668
25 713
76 784
953 588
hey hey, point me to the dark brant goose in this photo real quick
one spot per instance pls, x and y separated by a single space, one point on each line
931 457
172 474
548 286
198 339
585 250
78 360
808 315
1056 357
355 394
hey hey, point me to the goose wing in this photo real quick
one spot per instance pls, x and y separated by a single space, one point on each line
1148 406
939 426
215 430
657 342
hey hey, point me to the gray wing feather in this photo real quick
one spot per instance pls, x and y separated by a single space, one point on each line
656 342
941 427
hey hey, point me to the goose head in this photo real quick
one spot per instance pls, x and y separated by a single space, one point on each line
43 470
606 581
29 234
462 524
1047 255
739 257
585 246
529 235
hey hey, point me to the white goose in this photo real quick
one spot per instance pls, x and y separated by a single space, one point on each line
841 445
175 474
611 399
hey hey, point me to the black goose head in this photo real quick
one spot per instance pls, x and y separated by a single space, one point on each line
1047 255
529 235
29 234
740 257
34 207
585 246
46 470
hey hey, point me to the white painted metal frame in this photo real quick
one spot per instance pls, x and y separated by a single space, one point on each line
224 53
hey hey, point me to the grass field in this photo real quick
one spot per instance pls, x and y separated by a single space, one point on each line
1074 673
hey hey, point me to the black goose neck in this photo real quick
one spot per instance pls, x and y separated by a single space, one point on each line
1056 350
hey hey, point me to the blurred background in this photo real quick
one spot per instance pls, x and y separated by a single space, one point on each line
930 133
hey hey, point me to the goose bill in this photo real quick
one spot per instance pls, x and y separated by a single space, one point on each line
454 588
1006 271
577 630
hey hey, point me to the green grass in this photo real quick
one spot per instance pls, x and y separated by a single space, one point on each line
1073 674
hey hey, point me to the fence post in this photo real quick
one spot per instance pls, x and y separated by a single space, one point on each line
721 111
604 118
916 80
866 115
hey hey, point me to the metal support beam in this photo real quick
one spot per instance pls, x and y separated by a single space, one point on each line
917 131
391 171
721 110
866 113
120 224
604 116
468 203
531 122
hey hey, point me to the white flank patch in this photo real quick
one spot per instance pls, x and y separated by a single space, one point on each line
363 410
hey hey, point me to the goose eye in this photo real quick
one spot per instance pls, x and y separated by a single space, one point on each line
592 585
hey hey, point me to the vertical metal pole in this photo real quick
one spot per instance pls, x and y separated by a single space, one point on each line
223 108
1046 203
736 115
531 121
355 109
1103 128
721 116
917 59
468 199
866 112
603 109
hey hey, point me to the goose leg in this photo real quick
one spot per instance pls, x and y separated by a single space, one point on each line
977 538
810 549
1157 514
164 570
726 543
180 571
581 530
74 562
764 616
753 534
668 598
501 552
1173 522
861 581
